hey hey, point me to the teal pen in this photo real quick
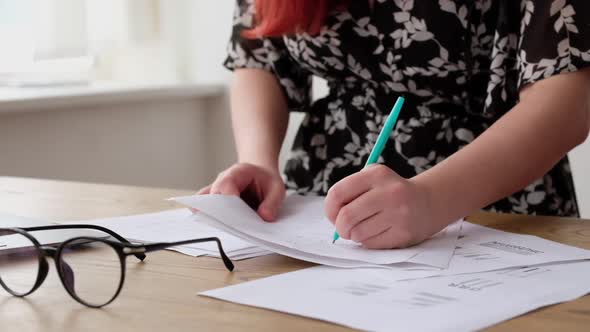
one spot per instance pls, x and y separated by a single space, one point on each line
382 139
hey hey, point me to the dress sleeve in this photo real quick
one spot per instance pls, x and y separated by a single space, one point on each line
554 38
270 54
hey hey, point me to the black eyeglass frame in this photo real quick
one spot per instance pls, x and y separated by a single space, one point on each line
123 248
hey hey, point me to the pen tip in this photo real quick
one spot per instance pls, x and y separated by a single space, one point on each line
333 241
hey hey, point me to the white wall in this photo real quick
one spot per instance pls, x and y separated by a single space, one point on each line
175 143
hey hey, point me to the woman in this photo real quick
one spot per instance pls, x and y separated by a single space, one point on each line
497 92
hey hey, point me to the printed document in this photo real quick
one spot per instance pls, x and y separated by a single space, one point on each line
481 249
301 231
178 225
361 300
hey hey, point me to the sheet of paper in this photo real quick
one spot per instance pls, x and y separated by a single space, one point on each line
344 263
234 255
301 231
190 251
175 225
354 298
483 249
239 257
432 255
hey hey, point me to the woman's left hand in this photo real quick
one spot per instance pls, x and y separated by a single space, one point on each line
381 210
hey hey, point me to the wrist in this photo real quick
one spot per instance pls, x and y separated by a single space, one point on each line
434 201
267 164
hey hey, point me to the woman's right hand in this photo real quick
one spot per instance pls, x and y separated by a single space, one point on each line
261 188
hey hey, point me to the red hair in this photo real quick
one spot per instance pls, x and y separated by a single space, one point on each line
280 17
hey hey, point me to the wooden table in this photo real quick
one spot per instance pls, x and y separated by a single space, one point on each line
160 294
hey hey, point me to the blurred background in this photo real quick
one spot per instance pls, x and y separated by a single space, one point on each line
128 92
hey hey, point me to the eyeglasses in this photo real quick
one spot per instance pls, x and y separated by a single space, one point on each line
91 269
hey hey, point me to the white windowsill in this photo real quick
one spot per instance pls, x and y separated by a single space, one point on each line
26 99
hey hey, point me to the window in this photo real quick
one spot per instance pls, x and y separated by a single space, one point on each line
65 41
47 42
15 51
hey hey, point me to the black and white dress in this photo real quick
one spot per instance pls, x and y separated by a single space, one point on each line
459 63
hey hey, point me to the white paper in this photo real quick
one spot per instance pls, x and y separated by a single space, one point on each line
190 251
235 255
302 231
239 257
432 255
361 300
176 225
483 249
491 249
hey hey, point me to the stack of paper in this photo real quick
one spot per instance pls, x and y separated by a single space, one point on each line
419 288
178 225
301 231
482 249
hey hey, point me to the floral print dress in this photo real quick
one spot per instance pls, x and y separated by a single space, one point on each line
459 63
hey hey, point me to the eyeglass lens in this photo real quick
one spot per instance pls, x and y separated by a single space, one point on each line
91 269
19 262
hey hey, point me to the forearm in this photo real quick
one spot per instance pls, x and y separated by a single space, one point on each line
259 117
551 119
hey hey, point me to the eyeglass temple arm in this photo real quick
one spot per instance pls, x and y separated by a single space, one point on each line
140 256
163 245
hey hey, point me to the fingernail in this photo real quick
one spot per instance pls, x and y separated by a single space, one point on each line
266 214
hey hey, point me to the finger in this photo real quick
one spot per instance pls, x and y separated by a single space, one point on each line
379 241
370 227
353 213
272 201
389 239
225 186
380 170
343 192
233 181
355 185
204 191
